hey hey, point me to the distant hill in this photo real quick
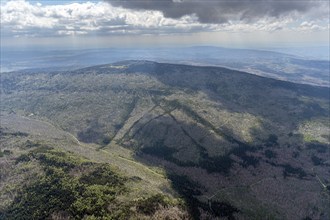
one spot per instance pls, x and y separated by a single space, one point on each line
260 62
228 143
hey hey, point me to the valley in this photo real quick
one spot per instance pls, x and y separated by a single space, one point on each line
199 142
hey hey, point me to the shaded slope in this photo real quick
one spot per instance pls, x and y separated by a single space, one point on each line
244 144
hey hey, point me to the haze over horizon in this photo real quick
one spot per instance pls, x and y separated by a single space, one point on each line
162 23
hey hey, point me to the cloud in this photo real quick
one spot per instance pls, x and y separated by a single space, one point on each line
307 26
223 11
23 18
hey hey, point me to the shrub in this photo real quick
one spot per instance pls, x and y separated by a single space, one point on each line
270 154
148 206
101 175
56 191
23 158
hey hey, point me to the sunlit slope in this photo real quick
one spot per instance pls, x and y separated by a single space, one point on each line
47 173
231 143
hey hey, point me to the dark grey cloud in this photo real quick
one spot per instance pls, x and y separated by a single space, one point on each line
221 11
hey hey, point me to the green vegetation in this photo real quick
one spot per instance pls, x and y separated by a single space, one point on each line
272 140
93 133
32 144
318 147
289 170
23 158
188 190
221 128
77 188
316 160
5 153
106 140
148 206
160 150
223 209
270 154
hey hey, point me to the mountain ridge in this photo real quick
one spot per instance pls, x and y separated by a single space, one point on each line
221 138
270 64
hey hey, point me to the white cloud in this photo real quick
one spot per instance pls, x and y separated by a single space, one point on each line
310 25
22 18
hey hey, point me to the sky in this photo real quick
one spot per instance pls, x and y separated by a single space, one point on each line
157 23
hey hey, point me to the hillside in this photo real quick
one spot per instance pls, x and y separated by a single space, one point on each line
260 62
210 141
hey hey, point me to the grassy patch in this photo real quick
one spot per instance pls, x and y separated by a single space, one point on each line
77 188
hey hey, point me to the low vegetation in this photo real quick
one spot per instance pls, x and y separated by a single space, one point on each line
209 131
72 187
